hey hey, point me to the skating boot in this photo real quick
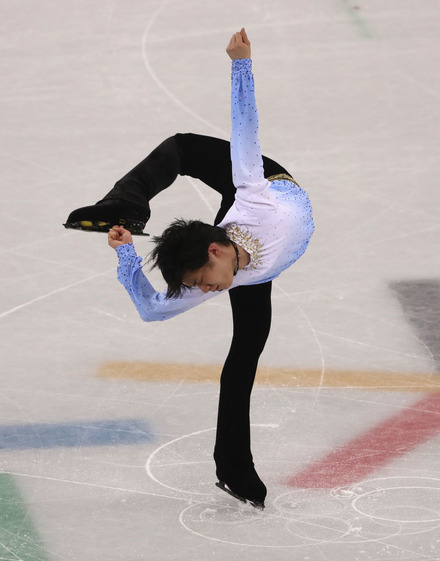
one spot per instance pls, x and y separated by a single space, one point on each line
107 213
244 485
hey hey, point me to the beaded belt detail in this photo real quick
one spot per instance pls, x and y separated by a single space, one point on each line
281 177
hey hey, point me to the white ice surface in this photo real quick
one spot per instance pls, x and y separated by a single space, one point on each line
348 96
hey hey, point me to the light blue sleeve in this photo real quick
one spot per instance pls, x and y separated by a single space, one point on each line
152 305
247 161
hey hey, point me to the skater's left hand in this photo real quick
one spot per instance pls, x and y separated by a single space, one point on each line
239 45
118 235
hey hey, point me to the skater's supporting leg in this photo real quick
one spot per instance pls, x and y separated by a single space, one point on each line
251 309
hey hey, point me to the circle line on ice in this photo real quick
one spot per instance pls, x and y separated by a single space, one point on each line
154 454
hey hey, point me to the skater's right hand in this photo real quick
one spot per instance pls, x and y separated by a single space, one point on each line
118 235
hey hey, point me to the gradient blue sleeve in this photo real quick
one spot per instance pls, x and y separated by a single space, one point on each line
247 161
150 304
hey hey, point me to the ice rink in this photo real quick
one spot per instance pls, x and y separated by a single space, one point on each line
108 423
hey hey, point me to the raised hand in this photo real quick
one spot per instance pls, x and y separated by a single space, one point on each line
118 235
239 46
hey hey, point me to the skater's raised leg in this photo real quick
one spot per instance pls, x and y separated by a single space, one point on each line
127 204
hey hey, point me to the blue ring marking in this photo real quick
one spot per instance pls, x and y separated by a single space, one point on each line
74 433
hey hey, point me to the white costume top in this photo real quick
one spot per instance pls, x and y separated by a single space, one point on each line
272 221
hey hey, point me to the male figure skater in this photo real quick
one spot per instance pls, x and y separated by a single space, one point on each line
264 224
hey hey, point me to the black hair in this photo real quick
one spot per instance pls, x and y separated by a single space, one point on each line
183 247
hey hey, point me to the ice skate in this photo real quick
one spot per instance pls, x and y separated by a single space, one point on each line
257 504
107 213
245 486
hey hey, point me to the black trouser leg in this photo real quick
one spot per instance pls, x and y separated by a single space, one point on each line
208 159
154 174
202 157
251 310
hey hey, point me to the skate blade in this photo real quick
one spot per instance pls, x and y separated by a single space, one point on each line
101 227
256 504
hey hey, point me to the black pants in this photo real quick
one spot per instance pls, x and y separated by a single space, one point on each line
208 159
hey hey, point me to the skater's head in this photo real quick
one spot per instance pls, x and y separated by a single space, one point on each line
191 253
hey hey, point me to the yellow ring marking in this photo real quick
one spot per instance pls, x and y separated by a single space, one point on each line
277 377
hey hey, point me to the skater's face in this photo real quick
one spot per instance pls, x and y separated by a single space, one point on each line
217 274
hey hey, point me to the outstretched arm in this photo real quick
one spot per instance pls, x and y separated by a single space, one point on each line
150 304
246 158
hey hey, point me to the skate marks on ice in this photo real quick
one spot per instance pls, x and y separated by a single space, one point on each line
420 301
153 75
387 516
382 512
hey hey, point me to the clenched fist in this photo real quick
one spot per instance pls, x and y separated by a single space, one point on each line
119 236
239 46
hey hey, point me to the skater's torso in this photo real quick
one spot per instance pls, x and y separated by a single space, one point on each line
274 227
272 221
